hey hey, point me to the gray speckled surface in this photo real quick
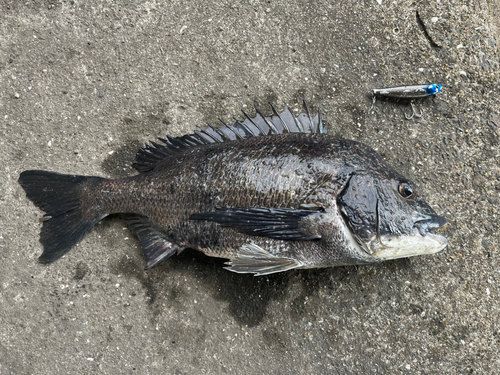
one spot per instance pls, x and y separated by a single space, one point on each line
83 84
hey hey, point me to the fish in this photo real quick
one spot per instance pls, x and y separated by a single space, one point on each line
269 194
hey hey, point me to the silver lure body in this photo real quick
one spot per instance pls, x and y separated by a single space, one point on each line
409 92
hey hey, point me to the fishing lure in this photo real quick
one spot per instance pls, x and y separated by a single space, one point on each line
408 92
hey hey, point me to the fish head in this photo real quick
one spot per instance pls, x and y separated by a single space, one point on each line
388 217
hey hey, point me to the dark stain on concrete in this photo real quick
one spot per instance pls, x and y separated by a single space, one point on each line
119 163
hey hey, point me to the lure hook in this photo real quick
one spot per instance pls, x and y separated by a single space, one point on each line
375 109
414 114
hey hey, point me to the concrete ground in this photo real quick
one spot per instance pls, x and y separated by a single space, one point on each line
84 83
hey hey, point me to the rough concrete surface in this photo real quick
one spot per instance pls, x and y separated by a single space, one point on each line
84 83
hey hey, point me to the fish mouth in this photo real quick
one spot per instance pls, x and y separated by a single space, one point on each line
429 226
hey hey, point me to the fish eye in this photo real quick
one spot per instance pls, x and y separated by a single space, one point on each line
406 190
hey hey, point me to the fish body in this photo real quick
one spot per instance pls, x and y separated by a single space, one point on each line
271 193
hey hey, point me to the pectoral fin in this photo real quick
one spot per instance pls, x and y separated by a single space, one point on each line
280 223
253 259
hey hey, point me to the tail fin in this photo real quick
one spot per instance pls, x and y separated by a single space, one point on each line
64 223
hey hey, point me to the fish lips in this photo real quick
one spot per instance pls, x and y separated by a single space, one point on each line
420 241
426 226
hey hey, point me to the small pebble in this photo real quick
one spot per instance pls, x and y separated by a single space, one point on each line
485 243
434 19
479 181
16 95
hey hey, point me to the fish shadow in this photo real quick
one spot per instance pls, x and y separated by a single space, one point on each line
248 296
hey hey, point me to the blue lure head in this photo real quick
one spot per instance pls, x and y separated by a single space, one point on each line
433 88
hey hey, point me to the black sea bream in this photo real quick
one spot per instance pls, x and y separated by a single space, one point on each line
270 194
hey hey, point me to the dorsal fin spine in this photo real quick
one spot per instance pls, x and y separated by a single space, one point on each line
254 123
231 128
204 136
177 142
285 126
205 131
311 122
320 123
297 122
269 123
219 132
191 140
239 123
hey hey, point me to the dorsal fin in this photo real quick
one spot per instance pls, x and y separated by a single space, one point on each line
260 125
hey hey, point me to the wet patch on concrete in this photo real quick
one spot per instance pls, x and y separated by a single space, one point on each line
247 296
119 163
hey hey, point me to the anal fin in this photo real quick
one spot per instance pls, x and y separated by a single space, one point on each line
156 247
252 258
